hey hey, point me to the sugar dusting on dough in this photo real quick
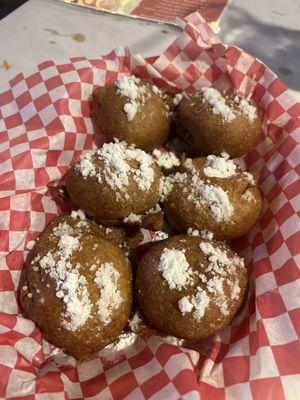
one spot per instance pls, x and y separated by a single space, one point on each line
166 159
221 270
117 171
246 108
70 285
201 193
130 87
175 269
248 196
106 278
219 167
215 99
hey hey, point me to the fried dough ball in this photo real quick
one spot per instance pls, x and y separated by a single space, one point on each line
114 182
132 110
189 287
214 122
212 194
77 287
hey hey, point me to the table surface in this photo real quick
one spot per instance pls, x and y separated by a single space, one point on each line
46 29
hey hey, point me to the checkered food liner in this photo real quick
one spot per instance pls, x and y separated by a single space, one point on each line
45 125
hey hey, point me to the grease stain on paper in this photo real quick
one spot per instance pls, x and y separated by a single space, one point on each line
78 37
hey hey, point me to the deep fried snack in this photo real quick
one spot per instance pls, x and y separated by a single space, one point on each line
114 182
213 122
77 287
189 287
132 110
212 194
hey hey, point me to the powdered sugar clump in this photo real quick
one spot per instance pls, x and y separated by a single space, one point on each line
158 235
250 178
70 285
117 170
248 196
131 87
133 219
177 98
219 167
247 109
201 193
185 305
166 159
106 278
206 235
220 266
197 303
175 269
220 271
192 232
216 100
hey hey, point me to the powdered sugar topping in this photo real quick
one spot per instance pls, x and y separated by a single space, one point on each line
116 166
70 285
106 278
246 108
221 273
201 193
250 178
175 269
219 167
166 159
218 104
132 88
248 196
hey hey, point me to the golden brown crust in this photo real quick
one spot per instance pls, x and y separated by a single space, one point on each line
209 134
148 129
159 303
45 308
183 214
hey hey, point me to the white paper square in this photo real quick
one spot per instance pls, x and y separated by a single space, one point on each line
38 90
8 303
291 386
28 112
241 391
263 365
117 371
291 294
48 114
146 371
281 256
17 240
24 179
37 221
265 283
49 72
19 148
279 329
290 226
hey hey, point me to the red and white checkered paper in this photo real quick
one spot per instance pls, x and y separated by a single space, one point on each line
45 125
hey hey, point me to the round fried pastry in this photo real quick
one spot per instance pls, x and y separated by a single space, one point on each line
189 287
77 287
213 194
213 122
114 182
132 110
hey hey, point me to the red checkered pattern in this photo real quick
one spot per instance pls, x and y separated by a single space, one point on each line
45 125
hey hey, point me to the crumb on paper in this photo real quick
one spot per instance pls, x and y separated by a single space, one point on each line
5 65
78 37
